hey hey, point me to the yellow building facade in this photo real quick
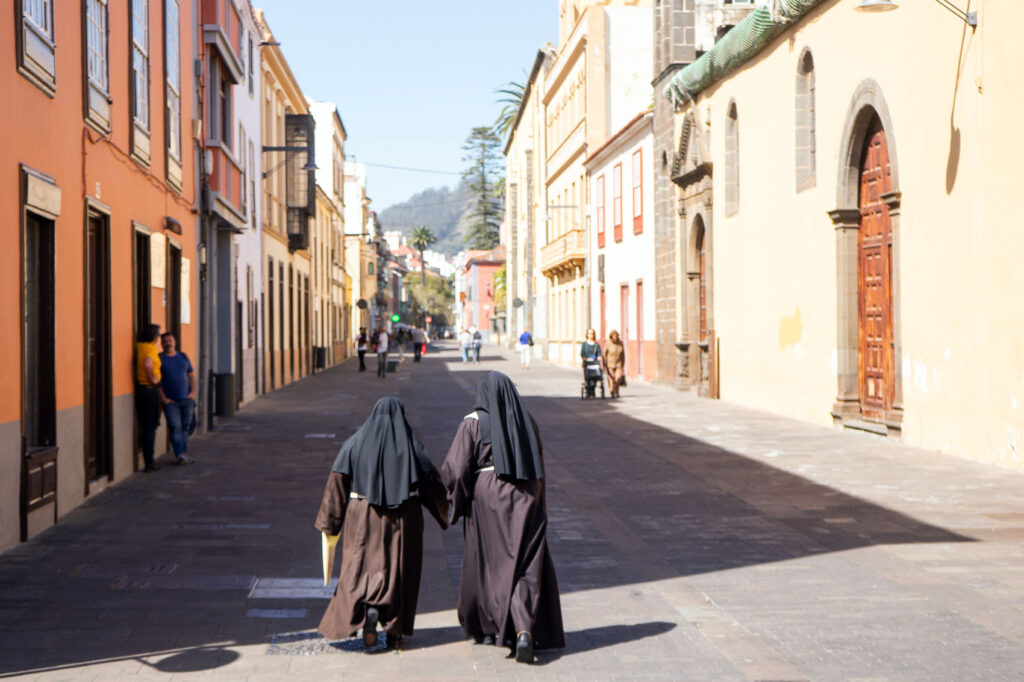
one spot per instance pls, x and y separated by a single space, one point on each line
848 230
287 258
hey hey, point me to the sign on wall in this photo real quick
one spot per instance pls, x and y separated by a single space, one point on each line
157 260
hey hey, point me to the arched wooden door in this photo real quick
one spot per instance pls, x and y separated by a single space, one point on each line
874 270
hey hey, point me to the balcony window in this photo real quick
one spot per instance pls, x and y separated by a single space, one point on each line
617 201
97 65
599 191
140 80
638 192
172 61
36 50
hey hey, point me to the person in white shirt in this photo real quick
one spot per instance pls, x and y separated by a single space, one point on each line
383 341
465 338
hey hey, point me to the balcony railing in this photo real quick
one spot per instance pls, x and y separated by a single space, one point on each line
564 252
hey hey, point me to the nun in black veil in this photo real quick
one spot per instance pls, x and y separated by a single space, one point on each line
494 473
380 480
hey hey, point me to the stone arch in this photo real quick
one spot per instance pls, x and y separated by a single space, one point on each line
867 102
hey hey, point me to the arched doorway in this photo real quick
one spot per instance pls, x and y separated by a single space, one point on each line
874 277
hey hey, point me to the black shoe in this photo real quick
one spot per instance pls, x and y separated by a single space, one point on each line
392 642
484 639
524 648
370 626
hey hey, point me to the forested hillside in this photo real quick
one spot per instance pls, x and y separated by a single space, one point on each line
441 209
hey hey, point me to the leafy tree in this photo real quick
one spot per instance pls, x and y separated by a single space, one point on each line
421 238
483 153
500 287
434 296
512 99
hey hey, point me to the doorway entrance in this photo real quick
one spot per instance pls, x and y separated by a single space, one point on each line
98 408
874 270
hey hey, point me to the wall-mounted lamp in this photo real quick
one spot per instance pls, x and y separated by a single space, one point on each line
970 18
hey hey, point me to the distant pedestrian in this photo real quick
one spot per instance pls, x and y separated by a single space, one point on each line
465 339
615 362
378 485
419 343
148 397
477 342
590 351
401 339
361 341
525 349
178 384
383 342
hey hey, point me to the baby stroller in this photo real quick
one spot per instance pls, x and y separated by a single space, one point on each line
593 378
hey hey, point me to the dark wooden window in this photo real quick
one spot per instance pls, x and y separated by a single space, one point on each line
40 390
280 322
97 65
140 80
291 321
143 292
36 45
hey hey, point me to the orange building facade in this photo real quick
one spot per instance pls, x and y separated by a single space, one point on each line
97 190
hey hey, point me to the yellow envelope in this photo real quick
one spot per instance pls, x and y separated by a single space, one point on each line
328 544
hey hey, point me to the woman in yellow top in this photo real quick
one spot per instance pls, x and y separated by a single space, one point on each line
149 398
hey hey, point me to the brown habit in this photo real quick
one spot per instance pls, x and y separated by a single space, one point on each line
381 556
508 579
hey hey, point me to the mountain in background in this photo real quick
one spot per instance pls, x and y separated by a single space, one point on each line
441 209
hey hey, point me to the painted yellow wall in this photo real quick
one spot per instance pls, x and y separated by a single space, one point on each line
955 99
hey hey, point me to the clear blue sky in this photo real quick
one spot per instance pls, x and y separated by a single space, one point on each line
410 78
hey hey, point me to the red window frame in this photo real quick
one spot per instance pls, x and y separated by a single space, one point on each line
638 191
599 190
617 201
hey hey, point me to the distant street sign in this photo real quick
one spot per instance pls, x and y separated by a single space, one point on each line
429 319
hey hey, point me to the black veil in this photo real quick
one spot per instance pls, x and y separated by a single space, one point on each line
383 457
508 427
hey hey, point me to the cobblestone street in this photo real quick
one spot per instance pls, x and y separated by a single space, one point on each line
693 539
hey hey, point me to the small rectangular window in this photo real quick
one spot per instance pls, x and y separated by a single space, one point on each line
172 66
97 65
252 72
599 192
140 80
37 51
617 201
638 192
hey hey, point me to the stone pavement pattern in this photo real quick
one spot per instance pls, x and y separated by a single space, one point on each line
694 540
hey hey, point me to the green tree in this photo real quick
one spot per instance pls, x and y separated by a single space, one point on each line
483 154
433 297
500 277
512 99
421 238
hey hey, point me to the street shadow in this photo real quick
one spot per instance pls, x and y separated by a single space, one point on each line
591 639
166 564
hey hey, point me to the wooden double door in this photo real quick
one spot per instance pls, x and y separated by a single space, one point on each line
98 409
876 368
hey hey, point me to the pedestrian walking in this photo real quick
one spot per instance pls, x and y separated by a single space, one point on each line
383 342
494 473
465 340
419 343
361 341
148 397
525 349
380 480
477 340
590 350
615 362
178 385
401 339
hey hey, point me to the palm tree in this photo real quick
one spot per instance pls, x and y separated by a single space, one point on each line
421 238
512 98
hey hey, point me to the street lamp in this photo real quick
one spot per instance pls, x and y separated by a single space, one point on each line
970 18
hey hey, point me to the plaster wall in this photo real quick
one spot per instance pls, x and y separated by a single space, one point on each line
952 103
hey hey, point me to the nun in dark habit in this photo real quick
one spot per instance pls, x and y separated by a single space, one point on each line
494 473
380 479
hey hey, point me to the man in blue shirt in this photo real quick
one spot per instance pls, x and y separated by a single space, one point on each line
178 384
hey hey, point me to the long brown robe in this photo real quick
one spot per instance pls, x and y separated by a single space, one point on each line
381 555
508 579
